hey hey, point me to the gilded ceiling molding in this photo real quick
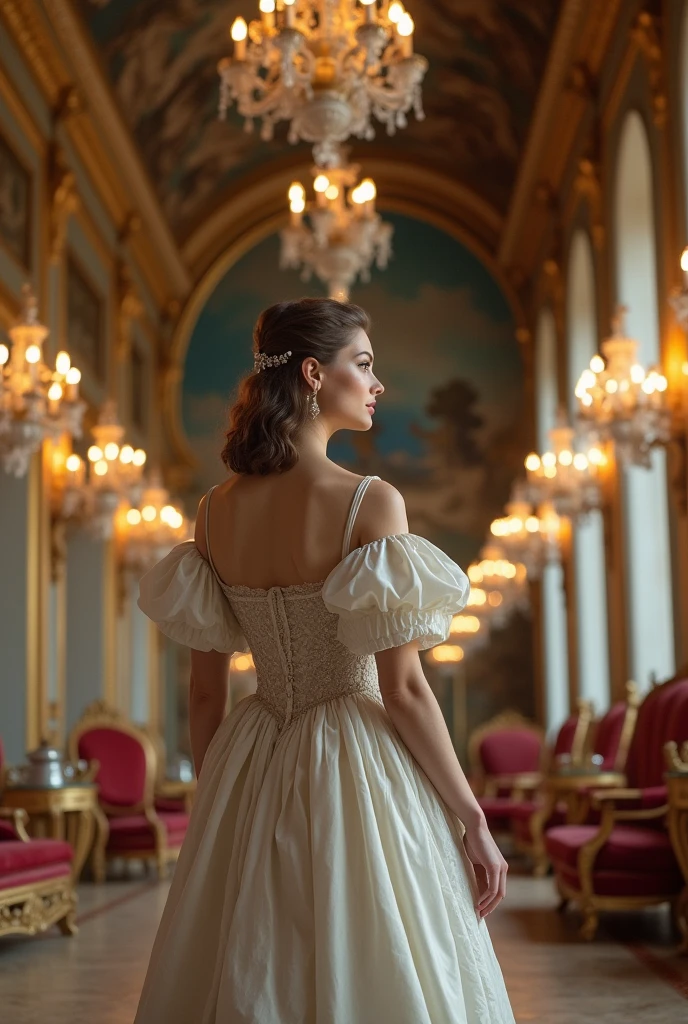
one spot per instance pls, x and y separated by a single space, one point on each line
261 208
45 32
581 42
63 200
645 33
571 18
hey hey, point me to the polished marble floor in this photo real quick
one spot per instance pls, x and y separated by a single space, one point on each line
630 973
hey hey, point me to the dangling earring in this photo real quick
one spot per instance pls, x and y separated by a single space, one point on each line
313 407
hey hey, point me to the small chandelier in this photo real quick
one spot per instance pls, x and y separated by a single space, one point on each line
567 479
528 538
154 528
502 582
345 236
114 476
35 402
621 402
326 66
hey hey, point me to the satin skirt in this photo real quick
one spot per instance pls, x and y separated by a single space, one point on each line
321 881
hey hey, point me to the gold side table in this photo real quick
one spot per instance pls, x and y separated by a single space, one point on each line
68 812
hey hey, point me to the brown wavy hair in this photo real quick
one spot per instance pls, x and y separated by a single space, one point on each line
272 406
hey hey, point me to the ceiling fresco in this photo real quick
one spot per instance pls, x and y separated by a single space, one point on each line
486 63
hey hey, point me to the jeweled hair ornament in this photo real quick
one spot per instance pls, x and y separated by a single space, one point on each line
261 361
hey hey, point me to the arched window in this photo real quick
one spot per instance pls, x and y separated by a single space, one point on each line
649 619
588 537
555 653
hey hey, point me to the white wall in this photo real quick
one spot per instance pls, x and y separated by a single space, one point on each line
588 535
555 652
650 616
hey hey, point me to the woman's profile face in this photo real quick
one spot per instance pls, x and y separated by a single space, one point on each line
349 386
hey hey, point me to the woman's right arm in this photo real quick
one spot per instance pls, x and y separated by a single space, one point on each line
418 719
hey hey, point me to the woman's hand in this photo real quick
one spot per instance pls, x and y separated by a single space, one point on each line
489 866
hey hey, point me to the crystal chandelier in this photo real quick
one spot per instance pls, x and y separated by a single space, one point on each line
567 479
35 402
529 539
345 235
326 66
621 402
154 528
114 476
501 581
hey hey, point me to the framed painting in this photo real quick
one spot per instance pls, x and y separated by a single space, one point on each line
85 320
15 205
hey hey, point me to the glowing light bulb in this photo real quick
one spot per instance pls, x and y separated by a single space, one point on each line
405 25
94 453
549 460
55 392
532 462
597 364
33 354
149 513
321 183
239 30
532 524
139 457
296 191
100 468
396 12
580 462
5 354
126 454
73 376
684 259
73 463
637 373
62 363
111 451
133 517
565 457
331 191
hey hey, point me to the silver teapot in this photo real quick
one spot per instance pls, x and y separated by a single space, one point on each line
46 768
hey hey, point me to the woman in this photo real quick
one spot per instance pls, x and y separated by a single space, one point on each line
326 876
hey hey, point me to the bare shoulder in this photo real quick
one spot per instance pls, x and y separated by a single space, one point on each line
382 513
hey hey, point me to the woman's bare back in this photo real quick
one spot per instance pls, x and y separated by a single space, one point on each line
281 529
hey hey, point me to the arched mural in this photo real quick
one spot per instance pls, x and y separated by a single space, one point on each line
447 431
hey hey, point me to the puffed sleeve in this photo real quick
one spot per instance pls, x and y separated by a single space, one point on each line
183 597
394 590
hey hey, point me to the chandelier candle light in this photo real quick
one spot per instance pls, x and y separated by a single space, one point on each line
621 402
115 476
570 480
154 528
325 66
345 235
529 539
35 402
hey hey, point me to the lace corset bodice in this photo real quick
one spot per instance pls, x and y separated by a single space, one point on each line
312 642
299 660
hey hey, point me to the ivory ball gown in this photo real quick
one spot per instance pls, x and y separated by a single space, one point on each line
322 879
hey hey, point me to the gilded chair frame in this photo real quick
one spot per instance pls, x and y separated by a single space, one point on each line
518 783
575 790
33 908
610 803
100 715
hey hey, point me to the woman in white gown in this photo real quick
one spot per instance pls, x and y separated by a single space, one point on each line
337 868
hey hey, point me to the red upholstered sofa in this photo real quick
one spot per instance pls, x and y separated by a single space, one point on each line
126 780
626 860
36 887
564 797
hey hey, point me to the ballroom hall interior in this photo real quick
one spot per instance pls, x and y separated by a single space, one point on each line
503 186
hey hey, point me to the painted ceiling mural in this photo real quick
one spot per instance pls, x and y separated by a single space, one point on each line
486 62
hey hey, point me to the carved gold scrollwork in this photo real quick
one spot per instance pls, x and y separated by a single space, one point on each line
587 184
129 309
646 35
27 912
63 198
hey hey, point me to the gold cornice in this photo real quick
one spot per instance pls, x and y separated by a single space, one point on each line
31 34
582 39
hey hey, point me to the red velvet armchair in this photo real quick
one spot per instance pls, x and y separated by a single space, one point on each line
36 889
625 860
126 779
564 795
506 757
